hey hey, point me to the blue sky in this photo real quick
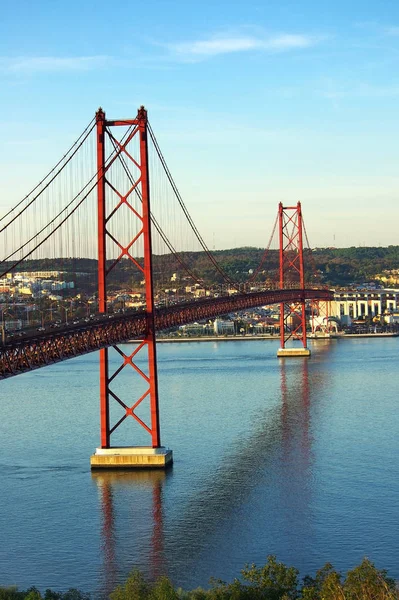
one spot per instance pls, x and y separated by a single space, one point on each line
252 102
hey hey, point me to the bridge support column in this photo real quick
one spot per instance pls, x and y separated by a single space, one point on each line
124 197
292 316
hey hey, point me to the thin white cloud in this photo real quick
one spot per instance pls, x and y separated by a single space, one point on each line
46 64
201 49
392 31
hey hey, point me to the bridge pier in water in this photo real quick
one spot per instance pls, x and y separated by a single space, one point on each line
131 457
290 352
132 194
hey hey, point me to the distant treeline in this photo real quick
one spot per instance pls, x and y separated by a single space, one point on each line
332 266
273 581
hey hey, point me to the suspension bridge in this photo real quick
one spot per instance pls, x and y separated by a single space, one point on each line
112 198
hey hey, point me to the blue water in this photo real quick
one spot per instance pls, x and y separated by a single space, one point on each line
295 457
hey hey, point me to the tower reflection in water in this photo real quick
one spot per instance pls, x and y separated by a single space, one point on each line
295 398
260 492
301 381
131 502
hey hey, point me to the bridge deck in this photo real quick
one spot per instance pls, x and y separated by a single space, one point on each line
39 349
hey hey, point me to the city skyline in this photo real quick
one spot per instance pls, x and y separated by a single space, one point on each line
252 105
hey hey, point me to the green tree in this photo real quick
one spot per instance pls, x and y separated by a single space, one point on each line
135 588
74 594
365 582
50 595
33 594
328 582
233 591
275 578
163 590
11 593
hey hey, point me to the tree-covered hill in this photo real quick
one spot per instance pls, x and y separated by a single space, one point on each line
332 266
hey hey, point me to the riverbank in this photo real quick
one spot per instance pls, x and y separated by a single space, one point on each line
265 336
219 338
369 335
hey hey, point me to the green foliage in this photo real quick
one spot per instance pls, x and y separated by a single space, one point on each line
135 588
365 582
197 594
232 591
334 266
74 594
50 595
11 593
163 590
331 587
33 594
273 581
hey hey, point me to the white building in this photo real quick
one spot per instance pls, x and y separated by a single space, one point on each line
221 327
355 304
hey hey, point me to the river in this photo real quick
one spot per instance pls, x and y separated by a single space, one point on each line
294 457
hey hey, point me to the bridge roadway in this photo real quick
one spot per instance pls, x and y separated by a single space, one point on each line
38 349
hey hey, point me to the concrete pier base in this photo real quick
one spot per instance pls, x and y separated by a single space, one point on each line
288 352
131 457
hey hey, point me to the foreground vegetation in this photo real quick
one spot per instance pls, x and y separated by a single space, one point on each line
273 581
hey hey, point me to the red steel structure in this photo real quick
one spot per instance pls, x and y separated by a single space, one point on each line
110 201
292 273
29 352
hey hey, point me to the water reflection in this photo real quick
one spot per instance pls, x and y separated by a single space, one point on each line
289 458
267 471
296 460
270 469
295 409
131 505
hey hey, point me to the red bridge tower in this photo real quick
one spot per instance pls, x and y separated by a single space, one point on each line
292 274
132 153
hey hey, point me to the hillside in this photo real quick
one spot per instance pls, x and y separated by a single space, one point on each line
333 266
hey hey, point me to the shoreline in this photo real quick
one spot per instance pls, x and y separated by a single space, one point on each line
368 335
215 338
243 338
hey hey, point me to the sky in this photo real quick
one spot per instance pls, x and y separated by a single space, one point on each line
253 103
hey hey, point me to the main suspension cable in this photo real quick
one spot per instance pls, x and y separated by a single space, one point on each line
312 260
84 135
17 263
109 160
266 252
187 214
157 226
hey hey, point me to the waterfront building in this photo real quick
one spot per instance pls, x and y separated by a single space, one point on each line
221 327
356 304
